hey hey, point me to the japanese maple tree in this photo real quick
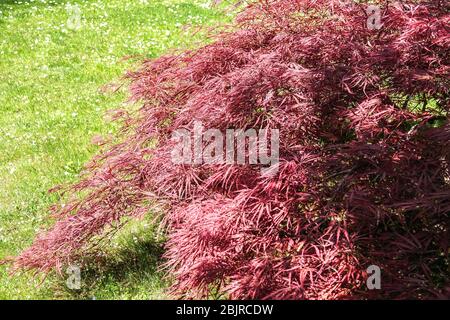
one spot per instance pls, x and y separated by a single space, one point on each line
364 169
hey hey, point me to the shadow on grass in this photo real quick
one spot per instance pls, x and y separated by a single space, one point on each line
127 273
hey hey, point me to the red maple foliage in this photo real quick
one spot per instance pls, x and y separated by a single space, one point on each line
364 173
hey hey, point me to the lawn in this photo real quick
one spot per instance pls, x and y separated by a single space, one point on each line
56 83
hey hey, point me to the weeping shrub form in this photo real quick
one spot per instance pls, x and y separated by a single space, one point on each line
363 176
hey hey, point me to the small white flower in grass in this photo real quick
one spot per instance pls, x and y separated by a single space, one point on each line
205 5
74 19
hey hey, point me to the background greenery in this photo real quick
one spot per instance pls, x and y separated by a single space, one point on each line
55 86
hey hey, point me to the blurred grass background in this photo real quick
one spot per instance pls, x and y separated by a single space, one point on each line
56 83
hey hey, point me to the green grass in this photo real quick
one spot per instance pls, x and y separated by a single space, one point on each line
52 104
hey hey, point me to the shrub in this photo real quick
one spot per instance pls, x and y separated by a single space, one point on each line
363 175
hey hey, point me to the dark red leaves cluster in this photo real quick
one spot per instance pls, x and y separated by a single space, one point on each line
364 176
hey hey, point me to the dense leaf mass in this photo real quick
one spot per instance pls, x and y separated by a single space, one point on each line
364 174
